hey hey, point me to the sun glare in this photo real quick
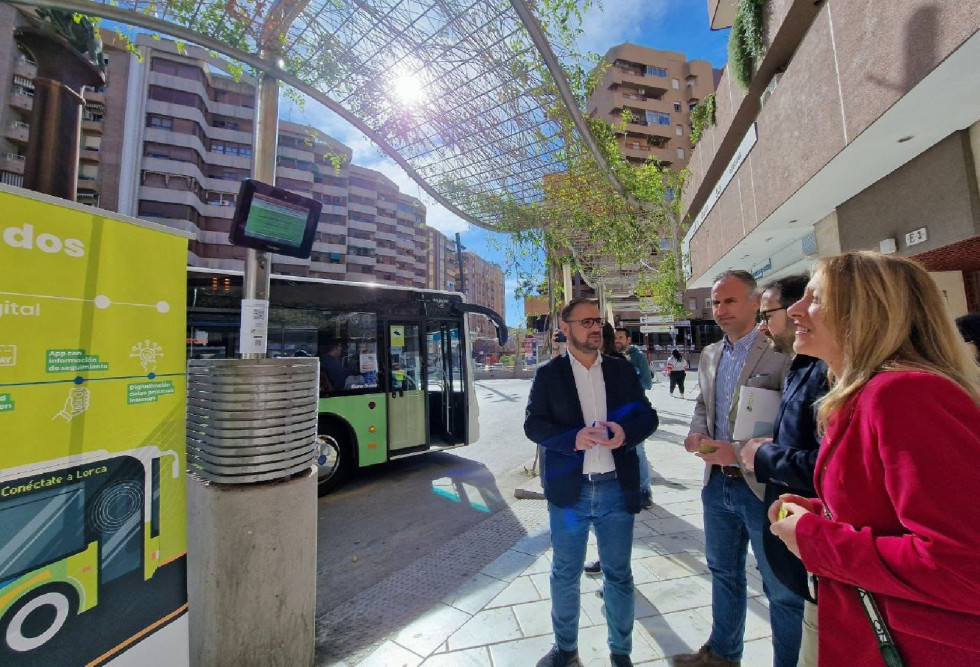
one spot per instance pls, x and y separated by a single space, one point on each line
409 90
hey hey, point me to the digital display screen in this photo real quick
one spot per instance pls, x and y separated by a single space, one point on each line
274 220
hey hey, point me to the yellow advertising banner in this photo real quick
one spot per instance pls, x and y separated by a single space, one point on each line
92 403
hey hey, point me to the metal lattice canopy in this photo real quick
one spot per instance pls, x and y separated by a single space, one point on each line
486 125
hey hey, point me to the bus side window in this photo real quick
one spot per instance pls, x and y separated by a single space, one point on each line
348 351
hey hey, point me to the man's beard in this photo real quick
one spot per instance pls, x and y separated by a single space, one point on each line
783 344
585 345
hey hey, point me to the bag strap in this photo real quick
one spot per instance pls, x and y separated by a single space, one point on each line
886 645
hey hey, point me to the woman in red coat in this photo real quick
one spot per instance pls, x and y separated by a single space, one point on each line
897 513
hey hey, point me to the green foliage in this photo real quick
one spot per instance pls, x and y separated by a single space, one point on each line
745 41
663 287
702 115
81 32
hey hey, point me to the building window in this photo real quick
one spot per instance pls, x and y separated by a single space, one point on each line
680 153
675 84
656 71
657 118
160 121
692 304
690 107
679 131
677 106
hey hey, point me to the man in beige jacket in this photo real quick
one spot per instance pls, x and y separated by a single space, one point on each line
732 499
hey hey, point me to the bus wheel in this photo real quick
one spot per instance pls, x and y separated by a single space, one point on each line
335 458
36 619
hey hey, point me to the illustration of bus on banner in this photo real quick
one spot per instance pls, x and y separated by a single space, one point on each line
79 531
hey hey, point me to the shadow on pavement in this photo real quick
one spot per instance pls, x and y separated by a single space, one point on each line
391 550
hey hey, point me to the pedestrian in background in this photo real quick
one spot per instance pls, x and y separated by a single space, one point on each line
969 326
624 345
634 355
895 531
588 413
609 342
785 462
734 514
677 368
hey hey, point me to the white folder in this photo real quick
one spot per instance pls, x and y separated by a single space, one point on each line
756 415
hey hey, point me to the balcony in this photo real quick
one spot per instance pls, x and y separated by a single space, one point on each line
88 184
642 102
92 126
88 154
641 128
335 271
361 259
12 162
654 86
18 132
295 174
721 13
97 96
24 67
21 99
638 151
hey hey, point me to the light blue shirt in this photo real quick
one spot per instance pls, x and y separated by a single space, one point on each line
733 358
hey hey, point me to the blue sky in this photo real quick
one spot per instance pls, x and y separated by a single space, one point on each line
673 25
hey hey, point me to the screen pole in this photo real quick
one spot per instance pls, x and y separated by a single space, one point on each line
258 263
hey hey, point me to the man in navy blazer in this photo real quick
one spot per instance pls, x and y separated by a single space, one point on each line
587 413
785 462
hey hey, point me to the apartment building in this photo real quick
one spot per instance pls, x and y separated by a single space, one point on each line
860 129
191 146
442 264
659 89
483 281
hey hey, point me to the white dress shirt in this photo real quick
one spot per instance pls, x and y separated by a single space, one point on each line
591 390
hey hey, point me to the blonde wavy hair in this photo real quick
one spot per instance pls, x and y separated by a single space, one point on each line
886 314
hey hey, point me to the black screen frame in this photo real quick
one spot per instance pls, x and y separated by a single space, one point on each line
243 205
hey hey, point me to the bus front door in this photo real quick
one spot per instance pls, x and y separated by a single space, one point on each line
444 383
406 391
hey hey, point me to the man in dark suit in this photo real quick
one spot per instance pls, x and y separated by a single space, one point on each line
785 462
588 413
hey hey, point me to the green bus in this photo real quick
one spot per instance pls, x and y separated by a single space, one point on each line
396 376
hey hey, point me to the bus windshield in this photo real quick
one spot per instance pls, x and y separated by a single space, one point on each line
40 528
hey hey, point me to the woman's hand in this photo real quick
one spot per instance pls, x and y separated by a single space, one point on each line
784 514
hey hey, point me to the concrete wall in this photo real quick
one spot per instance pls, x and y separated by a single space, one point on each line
846 70
828 236
951 285
937 190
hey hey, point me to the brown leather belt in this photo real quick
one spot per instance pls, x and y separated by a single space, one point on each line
730 471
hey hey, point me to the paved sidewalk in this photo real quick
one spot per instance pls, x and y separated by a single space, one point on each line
501 616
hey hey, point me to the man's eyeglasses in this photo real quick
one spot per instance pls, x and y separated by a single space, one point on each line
764 314
588 322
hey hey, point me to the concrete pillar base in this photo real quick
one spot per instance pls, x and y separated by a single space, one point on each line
251 572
